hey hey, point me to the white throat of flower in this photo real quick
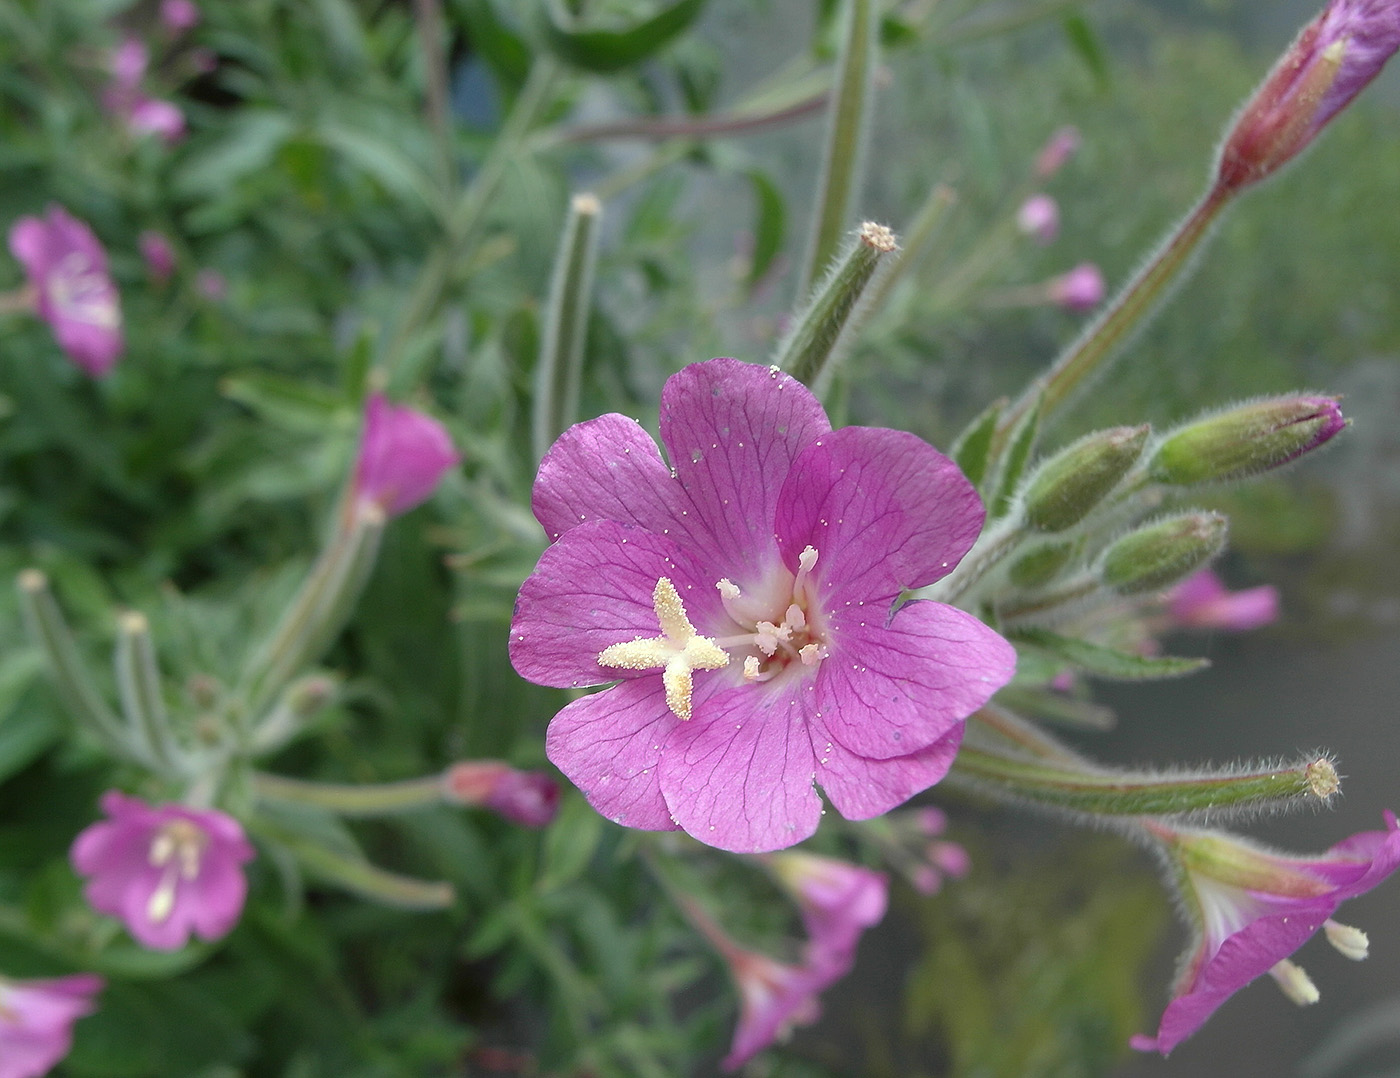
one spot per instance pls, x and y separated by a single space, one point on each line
83 294
176 851
681 650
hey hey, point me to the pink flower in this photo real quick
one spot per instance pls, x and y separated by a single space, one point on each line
165 871
177 16
36 1021
158 255
151 116
67 268
769 560
1330 61
1059 149
1253 908
838 900
529 798
124 99
1203 602
403 456
1079 289
773 998
1039 218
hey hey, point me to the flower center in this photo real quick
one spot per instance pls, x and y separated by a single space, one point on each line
81 293
176 851
778 634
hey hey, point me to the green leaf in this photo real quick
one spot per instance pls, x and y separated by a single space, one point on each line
972 448
394 170
770 223
289 403
569 843
1018 455
1108 662
1086 45
606 49
249 145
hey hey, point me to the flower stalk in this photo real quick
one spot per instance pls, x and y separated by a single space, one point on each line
139 690
350 799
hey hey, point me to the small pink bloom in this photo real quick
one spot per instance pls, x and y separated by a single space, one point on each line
1252 908
128 63
838 900
124 99
1059 149
403 456
211 284
529 798
151 116
768 560
165 871
1203 602
67 268
1080 289
158 255
1331 60
1039 218
774 997
177 16
36 1021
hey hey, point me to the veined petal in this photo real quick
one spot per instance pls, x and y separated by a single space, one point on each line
593 589
885 510
609 745
739 775
861 788
732 431
888 690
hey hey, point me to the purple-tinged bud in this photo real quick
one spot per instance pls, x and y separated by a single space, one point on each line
1161 553
1080 289
1060 148
529 798
211 284
1330 62
158 255
1203 602
1246 440
177 16
403 456
1066 488
1039 218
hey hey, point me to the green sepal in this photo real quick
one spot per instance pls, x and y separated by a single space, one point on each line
1018 455
971 450
1106 662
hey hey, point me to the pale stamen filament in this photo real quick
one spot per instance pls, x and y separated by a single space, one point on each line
805 561
176 850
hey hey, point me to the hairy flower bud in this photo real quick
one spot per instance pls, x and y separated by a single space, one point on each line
1041 565
1159 554
1246 440
1079 289
1064 489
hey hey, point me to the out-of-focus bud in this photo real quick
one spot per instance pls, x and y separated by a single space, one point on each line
1163 552
211 284
529 798
158 255
1080 289
1059 149
1041 564
1328 64
1064 489
177 16
403 456
1246 440
1039 218
1203 602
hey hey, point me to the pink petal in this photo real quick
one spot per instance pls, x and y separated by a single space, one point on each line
884 510
609 745
732 430
403 456
889 690
29 243
860 788
607 468
214 900
593 589
739 775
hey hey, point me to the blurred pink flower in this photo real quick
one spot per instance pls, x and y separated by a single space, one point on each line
838 900
1203 602
211 284
529 798
403 456
1080 289
124 98
1039 218
165 871
74 293
177 16
36 1021
1059 149
774 997
159 256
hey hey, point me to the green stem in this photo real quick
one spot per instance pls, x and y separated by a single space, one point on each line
347 799
363 878
698 127
139 689
1072 592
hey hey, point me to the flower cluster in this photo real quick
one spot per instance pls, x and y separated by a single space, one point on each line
770 555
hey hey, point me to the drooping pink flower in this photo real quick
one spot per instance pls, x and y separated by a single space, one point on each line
838 900
74 293
177 16
403 456
1080 289
769 560
1039 218
529 798
166 871
1331 60
1252 908
1060 147
774 997
158 255
1203 602
36 1021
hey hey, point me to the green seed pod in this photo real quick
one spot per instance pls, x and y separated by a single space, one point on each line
1161 553
1064 489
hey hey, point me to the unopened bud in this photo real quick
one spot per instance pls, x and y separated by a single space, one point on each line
1063 490
1059 149
529 798
1246 440
309 696
1159 554
1039 218
1041 565
1079 289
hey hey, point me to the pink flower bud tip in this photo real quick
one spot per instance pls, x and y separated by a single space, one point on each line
1080 289
1059 149
177 16
1039 218
1203 602
529 798
75 295
403 456
159 256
